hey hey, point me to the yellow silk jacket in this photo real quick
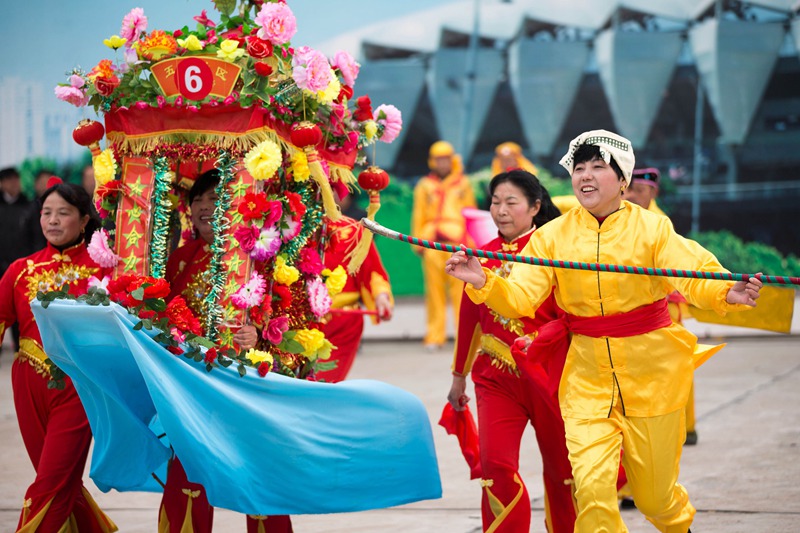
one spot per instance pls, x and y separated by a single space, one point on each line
437 208
647 375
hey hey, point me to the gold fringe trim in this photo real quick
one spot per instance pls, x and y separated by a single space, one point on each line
31 352
359 253
499 352
319 177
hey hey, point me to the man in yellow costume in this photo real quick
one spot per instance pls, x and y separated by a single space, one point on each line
629 367
508 156
439 198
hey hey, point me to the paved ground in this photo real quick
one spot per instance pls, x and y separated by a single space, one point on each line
742 476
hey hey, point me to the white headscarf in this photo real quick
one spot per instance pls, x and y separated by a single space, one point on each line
610 144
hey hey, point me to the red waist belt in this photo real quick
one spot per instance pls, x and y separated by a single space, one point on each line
551 344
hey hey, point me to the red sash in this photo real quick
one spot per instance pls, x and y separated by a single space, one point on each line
551 344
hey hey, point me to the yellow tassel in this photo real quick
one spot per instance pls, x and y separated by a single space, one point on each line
319 177
356 257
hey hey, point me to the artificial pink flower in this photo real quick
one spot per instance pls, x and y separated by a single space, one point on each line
251 293
275 329
310 262
98 283
267 245
133 25
337 119
273 213
203 20
348 66
72 95
311 70
351 143
291 230
178 335
99 250
278 23
319 299
392 121
247 237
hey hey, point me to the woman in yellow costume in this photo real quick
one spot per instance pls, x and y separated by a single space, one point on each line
439 198
628 371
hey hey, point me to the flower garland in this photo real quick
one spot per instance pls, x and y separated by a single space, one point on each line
220 224
161 216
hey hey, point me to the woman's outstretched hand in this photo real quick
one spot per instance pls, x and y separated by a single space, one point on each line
467 269
745 292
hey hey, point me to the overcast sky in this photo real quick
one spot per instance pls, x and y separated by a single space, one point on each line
43 39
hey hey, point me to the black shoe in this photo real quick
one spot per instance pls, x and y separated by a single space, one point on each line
691 438
626 504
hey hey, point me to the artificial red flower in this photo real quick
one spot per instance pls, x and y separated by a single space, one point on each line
296 206
247 237
203 20
263 69
253 206
264 368
345 93
257 311
351 143
284 295
179 315
147 314
156 287
105 85
211 356
177 350
258 48
364 109
310 262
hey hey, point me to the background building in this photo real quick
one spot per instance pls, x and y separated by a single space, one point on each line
706 89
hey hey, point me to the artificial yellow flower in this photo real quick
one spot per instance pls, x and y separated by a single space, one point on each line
336 279
283 273
329 94
263 160
191 43
370 129
325 350
257 356
311 340
115 42
105 167
300 170
229 50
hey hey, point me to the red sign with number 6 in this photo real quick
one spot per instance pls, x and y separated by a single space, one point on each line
195 78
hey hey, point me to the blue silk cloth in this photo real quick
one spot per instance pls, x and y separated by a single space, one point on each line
268 446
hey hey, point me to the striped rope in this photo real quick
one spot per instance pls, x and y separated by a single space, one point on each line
376 228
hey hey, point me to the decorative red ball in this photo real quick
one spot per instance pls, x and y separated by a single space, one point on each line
88 132
305 133
373 179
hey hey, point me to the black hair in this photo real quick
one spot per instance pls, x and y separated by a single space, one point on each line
204 182
76 196
8 172
533 191
588 152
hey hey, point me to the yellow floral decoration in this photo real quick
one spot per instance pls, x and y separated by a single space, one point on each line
258 356
263 160
115 42
370 130
311 340
329 94
191 43
284 274
336 279
105 167
229 50
300 170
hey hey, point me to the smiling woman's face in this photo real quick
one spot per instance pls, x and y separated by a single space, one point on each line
61 221
202 207
597 187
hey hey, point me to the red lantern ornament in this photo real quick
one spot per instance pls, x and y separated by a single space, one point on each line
89 133
305 134
373 179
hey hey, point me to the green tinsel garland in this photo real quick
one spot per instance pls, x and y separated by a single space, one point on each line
161 217
220 224
312 220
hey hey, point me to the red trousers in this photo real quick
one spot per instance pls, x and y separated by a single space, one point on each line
180 493
506 404
343 331
56 434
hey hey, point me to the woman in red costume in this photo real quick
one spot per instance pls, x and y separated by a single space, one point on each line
52 421
507 400
184 506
